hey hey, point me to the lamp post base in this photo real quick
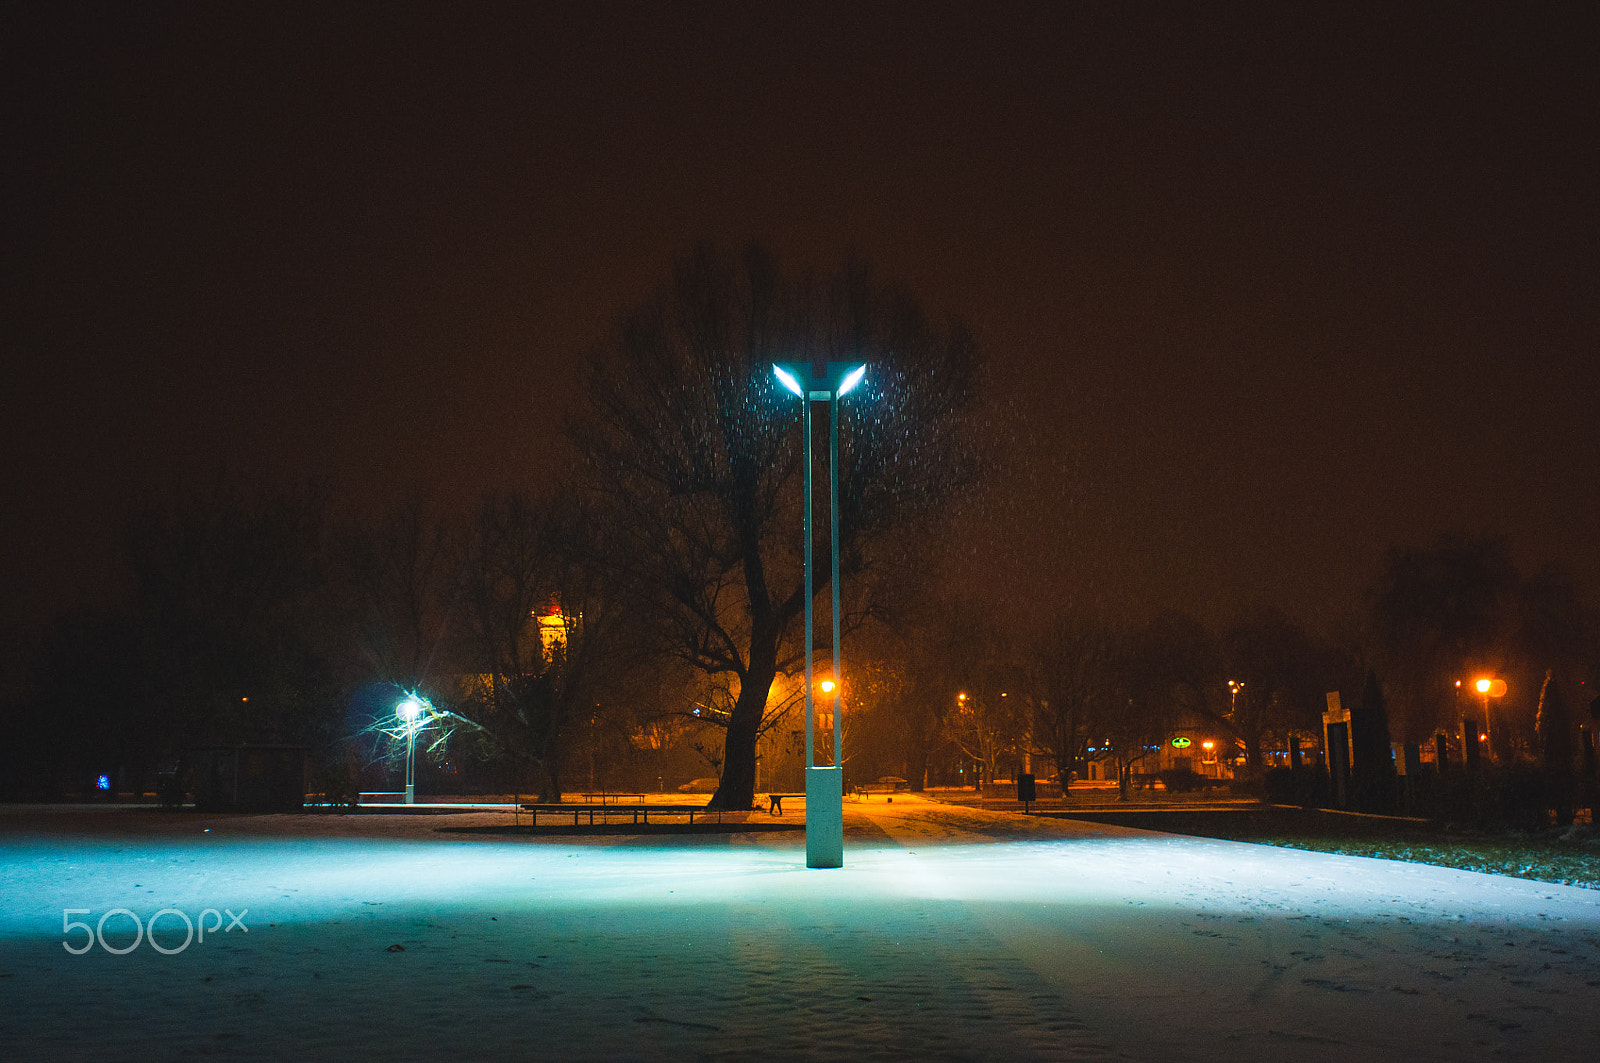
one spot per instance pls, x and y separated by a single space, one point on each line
825 817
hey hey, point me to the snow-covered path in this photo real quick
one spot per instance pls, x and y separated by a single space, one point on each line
949 934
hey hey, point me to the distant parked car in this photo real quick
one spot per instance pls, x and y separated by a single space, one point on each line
699 786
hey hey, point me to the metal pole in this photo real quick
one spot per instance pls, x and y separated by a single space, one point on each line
833 540
411 763
805 404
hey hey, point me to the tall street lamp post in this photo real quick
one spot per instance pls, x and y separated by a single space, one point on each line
410 713
1489 688
823 382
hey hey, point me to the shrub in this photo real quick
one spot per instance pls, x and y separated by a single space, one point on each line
1182 780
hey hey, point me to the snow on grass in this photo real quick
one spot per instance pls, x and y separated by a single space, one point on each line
949 934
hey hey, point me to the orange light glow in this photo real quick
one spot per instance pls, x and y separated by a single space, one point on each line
827 686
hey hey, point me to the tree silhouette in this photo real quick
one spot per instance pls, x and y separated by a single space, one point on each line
692 450
1554 725
1440 613
1371 751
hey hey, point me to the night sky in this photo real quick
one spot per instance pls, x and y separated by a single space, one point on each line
1265 290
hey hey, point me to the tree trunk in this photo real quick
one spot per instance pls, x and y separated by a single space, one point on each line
736 791
917 767
550 773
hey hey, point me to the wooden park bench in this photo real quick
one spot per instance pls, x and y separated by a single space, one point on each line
638 812
775 802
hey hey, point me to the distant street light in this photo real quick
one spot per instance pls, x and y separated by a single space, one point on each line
819 382
1489 688
410 713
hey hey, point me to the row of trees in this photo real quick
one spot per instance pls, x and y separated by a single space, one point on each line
1439 618
1456 610
1091 688
673 553
262 618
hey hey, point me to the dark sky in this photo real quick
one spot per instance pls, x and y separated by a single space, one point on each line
1266 290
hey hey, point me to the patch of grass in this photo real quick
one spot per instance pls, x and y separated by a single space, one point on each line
1540 857
1542 861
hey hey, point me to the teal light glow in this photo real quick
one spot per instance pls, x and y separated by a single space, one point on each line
787 379
852 379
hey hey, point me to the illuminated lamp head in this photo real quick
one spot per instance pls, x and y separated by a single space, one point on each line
827 686
1482 685
409 710
852 379
787 379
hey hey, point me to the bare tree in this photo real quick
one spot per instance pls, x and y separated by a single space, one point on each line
1440 613
1076 680
1280 675
693 447
399 574
540 635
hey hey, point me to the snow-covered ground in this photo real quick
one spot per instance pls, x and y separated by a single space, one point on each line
950 934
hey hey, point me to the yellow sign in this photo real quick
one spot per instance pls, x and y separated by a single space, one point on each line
1181 742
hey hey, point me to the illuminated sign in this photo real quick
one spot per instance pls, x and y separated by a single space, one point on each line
1181 742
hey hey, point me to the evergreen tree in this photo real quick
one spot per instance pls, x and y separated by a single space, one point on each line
1554 726
1371 751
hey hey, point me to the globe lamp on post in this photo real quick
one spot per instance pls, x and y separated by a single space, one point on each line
410 713
1489 688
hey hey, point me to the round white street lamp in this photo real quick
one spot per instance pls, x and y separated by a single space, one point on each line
410 713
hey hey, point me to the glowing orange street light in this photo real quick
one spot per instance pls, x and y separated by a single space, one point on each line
1489 688
827 686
